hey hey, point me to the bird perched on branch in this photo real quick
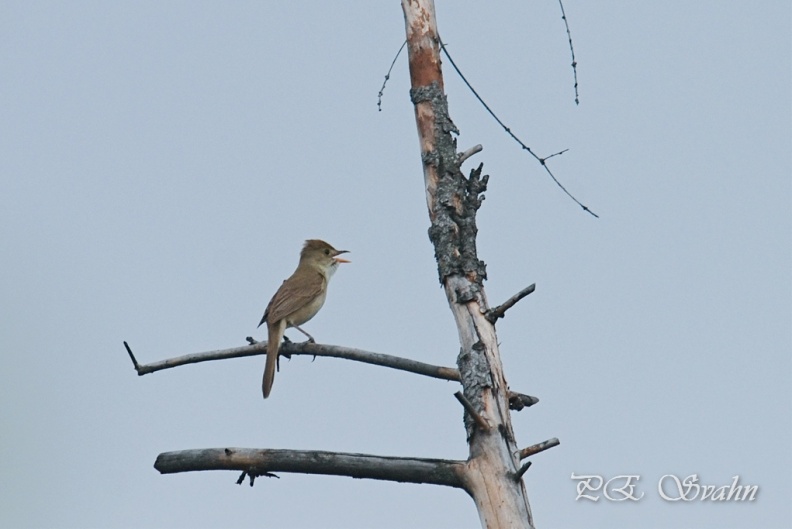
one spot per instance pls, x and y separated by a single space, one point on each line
298 299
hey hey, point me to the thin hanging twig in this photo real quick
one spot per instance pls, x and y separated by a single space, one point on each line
571 49
387 76
541 160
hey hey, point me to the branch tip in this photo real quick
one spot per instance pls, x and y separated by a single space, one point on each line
132 356
523 469
539 447
462 156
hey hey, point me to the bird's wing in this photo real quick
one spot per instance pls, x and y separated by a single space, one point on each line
294 293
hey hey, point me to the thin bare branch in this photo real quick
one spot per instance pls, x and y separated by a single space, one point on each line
500 311
517 401
571 49
261 462
559 153
387 76
539 447
303 348
132 357
462 156
542 161
480 421
195 358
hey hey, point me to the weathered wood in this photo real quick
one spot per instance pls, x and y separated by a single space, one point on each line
453 201
501 501
538 447
259 462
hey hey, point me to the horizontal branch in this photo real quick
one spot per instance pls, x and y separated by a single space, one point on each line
304 348
258 462
500 311
517 401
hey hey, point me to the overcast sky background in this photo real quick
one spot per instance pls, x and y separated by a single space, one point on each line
162 163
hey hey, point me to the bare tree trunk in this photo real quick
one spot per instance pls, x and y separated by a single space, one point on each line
492 478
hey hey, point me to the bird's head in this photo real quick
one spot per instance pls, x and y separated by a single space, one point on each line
322 255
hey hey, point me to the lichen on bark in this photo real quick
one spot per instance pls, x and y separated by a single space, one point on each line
456 199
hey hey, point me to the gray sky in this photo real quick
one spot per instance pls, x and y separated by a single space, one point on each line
162 163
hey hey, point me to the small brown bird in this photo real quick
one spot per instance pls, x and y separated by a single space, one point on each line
298 299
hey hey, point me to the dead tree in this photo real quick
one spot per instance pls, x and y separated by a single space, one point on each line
492 474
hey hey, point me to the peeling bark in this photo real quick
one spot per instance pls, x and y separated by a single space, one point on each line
453 201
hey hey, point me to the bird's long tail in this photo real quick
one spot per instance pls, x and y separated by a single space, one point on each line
274 336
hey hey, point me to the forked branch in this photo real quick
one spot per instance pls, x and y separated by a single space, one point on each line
261 462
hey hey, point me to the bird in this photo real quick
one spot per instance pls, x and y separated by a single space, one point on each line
298 300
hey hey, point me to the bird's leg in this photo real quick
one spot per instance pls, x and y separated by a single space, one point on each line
310 338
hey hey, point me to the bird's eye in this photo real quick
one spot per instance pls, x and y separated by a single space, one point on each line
327 252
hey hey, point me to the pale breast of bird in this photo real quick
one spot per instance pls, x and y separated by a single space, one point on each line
308 311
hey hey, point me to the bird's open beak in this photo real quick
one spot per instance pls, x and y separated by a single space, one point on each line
338 259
